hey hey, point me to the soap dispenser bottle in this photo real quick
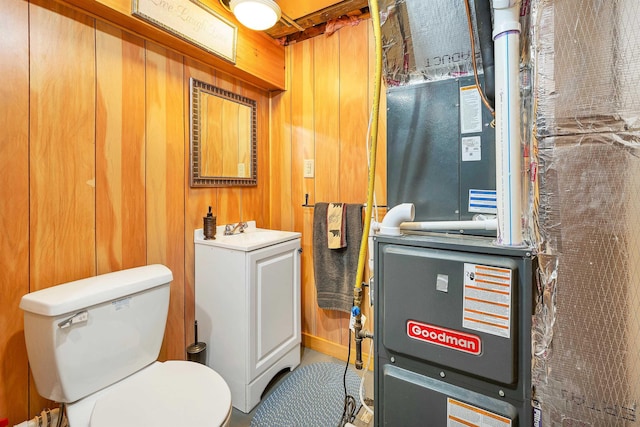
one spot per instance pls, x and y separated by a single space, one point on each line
209 228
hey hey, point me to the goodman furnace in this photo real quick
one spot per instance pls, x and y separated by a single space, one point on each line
452 331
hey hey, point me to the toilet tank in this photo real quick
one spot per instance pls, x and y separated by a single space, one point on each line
85 335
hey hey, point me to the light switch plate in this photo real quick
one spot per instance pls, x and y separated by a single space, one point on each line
308 168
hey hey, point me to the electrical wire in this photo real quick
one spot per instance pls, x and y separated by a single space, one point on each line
349 410
485 101
62 415
367 139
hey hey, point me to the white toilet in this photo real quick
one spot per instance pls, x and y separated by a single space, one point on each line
93 345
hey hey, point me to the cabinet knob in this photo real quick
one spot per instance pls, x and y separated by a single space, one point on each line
299 250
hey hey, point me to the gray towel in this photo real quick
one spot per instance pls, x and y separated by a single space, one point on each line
335 269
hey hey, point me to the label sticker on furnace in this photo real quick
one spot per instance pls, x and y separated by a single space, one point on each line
470 110
487 299
471 149
463 414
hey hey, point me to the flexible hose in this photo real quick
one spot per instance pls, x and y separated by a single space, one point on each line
375 15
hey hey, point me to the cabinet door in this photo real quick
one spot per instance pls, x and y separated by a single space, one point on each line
274 304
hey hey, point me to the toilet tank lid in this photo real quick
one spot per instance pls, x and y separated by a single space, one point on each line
84 293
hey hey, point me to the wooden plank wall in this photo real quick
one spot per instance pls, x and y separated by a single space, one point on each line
94 154
14 205
94 159
323 116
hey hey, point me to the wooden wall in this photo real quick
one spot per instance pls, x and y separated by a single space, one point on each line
14 206
323 116
94 154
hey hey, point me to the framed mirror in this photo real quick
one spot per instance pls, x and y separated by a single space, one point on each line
223 137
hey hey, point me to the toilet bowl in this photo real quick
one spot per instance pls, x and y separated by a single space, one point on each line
93 345
172 393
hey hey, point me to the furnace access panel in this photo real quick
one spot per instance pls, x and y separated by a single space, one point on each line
452 332
441 151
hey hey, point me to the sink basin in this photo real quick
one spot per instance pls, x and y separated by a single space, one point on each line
251 239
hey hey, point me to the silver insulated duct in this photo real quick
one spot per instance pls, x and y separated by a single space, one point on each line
586 338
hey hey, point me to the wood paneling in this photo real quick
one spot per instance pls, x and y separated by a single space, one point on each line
354 112
381 157
62 153
302 147
255 199
198 200
95 157
61 148
281 212
165 172
259 58
325 117
120 150
14 206
327 142
354 108
296 9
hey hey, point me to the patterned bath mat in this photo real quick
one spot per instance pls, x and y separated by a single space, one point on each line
312 395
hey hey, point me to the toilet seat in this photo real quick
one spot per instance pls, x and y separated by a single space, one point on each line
169 394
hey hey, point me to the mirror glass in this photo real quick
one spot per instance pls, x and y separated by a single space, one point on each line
223 137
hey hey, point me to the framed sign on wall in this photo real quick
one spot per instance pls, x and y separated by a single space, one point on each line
193 22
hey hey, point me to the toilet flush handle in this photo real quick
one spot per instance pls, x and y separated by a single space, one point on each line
79 317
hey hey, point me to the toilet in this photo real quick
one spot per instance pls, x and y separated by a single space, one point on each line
93 345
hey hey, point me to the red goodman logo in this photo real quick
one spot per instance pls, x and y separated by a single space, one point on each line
455 340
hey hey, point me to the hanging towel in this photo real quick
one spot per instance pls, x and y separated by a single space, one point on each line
335 269
336 222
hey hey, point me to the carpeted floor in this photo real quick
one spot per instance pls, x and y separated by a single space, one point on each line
308 357
311 396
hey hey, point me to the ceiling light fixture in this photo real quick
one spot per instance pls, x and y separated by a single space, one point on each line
256 14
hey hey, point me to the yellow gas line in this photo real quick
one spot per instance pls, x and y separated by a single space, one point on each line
357 289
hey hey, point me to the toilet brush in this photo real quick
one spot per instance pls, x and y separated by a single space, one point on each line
197 352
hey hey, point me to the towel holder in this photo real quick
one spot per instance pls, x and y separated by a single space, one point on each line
307 205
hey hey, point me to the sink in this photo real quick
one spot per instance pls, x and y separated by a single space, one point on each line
251 239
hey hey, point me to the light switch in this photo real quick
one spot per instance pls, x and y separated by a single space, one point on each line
308 168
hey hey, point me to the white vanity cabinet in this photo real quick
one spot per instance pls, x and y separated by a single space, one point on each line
247 293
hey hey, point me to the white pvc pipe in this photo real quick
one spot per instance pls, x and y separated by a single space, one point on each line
486 224
390 225
400 216
506 37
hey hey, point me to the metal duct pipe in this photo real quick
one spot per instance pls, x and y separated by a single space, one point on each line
485 37
506 37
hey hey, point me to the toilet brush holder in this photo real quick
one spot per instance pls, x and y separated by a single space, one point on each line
197 352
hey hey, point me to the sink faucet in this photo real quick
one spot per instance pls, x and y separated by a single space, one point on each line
240 227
